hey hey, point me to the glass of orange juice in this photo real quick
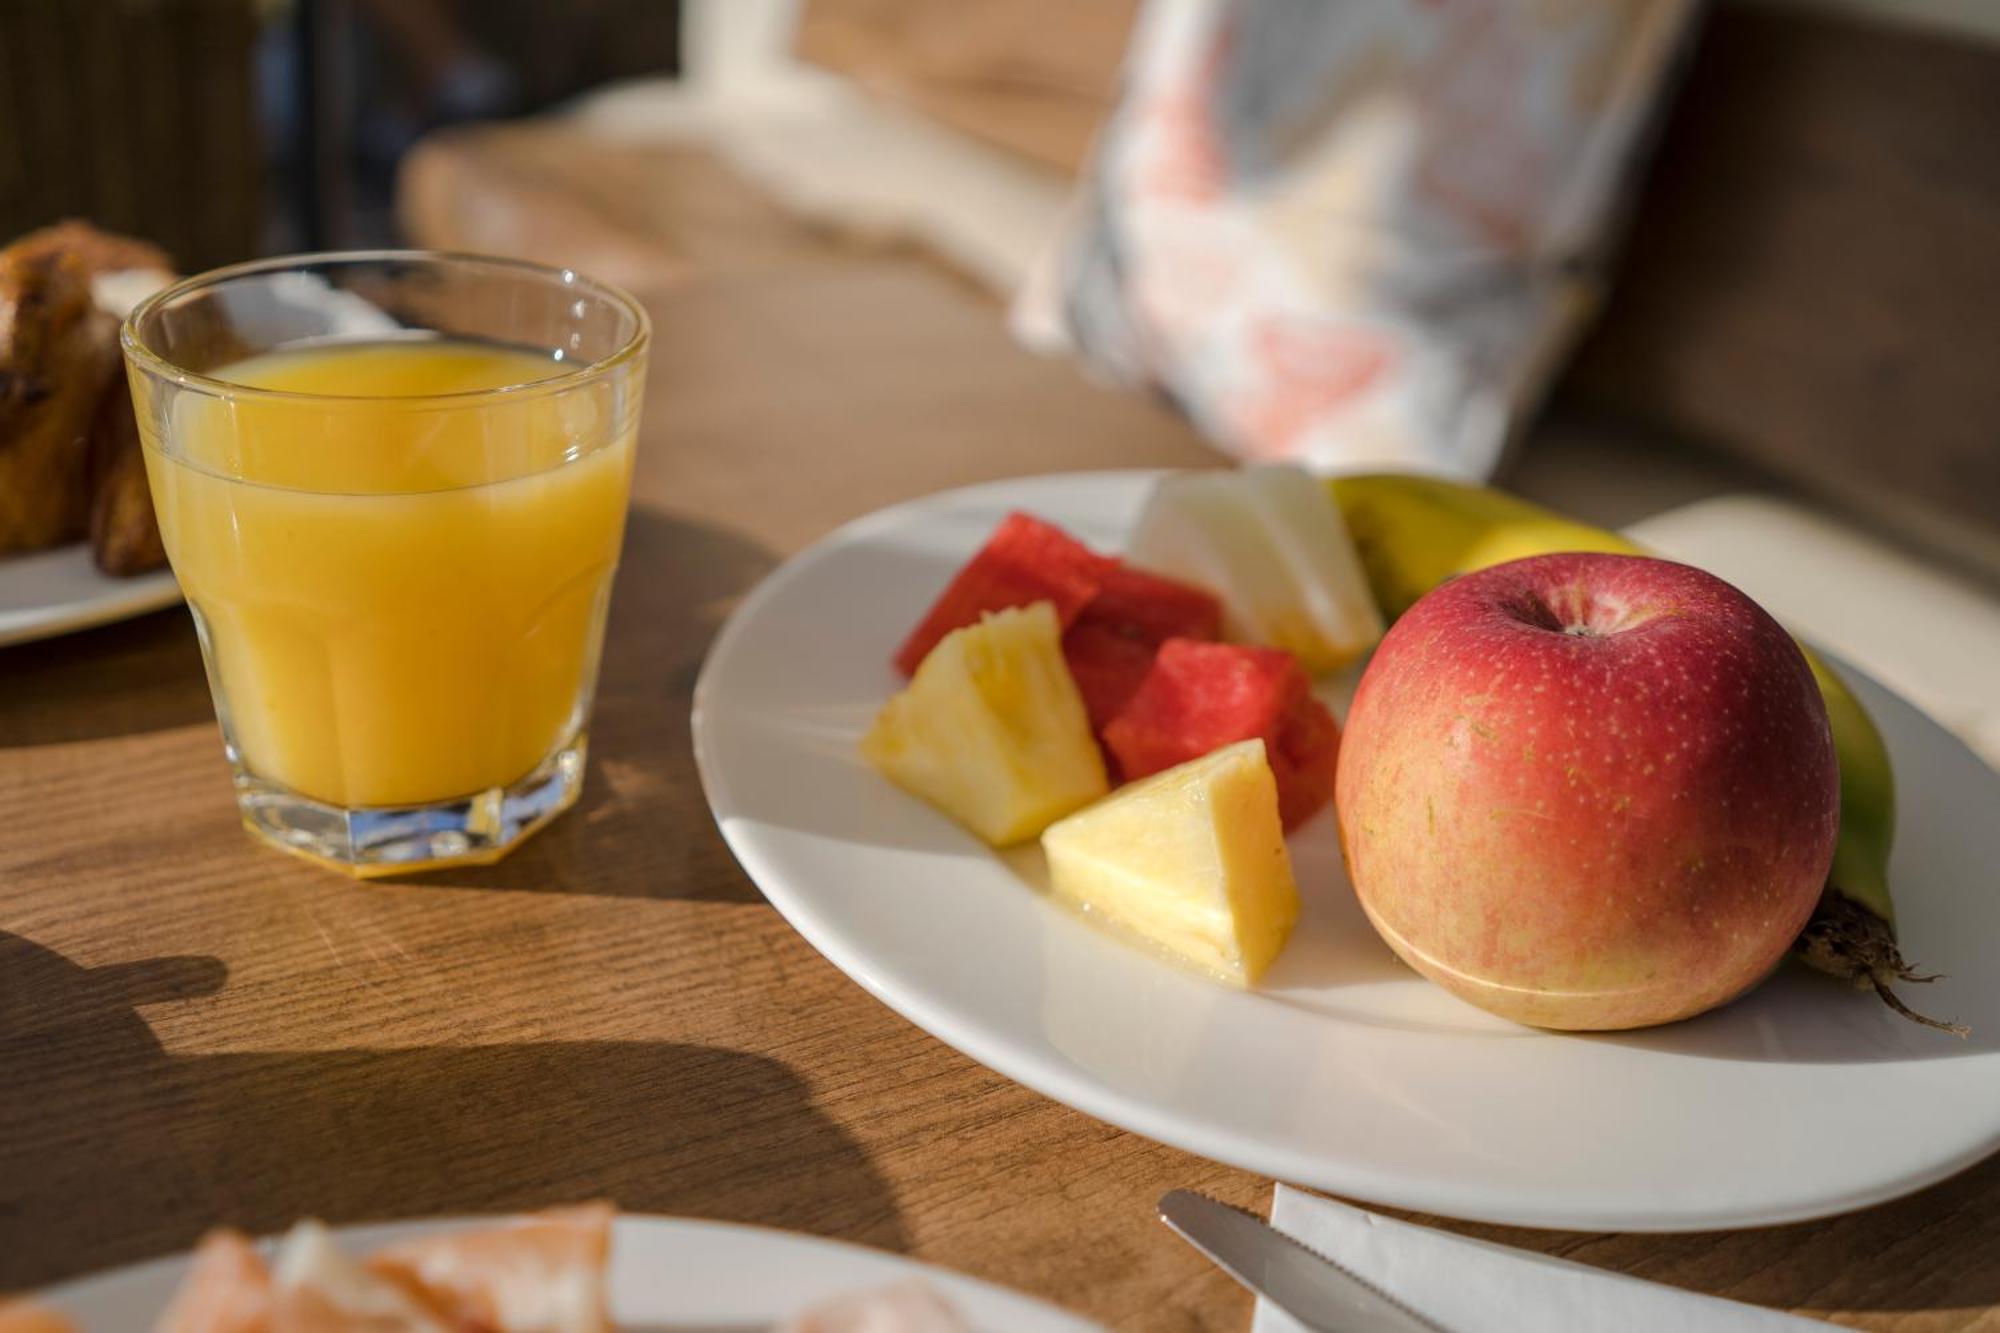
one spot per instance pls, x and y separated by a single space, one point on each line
393 487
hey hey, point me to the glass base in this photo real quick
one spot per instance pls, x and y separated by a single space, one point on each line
367 843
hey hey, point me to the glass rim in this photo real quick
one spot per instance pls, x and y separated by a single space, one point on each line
158 365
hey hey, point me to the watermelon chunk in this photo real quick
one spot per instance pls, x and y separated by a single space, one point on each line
1110 647
1308 747
1155 608
1108 662
1024 561
1199 697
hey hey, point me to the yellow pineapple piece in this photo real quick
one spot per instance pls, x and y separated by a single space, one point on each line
1191 860
991 729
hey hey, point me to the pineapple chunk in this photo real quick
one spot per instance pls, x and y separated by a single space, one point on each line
1268 542
1191 860
991 729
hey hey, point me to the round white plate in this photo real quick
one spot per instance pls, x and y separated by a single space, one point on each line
1344 1070
45 593
668 1275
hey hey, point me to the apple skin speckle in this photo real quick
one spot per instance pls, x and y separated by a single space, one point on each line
1588 791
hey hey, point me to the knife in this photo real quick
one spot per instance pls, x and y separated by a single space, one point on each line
1306 1285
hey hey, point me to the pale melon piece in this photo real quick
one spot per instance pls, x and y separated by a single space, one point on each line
991 729
1191 861
1275 549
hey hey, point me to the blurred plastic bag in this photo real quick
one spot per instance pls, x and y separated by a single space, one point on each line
1355 232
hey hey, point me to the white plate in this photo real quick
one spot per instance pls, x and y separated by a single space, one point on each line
668 1274
1344 1071
45 593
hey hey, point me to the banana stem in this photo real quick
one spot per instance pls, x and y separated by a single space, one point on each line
1846 940
1894 1001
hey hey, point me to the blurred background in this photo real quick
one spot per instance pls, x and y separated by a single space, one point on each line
223 129
1626 256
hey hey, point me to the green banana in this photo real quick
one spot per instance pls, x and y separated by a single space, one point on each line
1414 532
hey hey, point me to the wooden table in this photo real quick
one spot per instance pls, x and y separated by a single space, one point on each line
195 1030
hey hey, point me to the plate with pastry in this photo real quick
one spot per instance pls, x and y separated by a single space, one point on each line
581 1269
79 545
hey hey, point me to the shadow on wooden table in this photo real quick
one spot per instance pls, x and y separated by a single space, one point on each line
141 675
112 1149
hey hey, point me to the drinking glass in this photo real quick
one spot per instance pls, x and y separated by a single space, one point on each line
393 487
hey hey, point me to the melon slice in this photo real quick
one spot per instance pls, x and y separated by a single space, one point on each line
1023 562
991 730
1191 861
1271 544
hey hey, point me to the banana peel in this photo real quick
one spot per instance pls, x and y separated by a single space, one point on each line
1413 532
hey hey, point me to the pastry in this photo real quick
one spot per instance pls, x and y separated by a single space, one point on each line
57 354
70 460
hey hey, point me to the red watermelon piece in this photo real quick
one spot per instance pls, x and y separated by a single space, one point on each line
1155 608
1201 696
1108 663
1024 561
1110 647
1308 747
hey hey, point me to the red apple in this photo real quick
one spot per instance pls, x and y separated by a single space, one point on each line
1588 791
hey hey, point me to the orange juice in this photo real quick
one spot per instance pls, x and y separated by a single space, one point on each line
401 583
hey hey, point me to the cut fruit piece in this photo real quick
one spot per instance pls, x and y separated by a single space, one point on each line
20 1316
318 1287
1108 664
227 1289
1023 562
1110 647
544 1271
1268 541
1199 697
991 730
1191 860
1153 607
1304 760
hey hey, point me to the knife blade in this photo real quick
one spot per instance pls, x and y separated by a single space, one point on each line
1305 1284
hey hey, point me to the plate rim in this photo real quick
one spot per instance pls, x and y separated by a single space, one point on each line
1060 1319
1016 1061
116 598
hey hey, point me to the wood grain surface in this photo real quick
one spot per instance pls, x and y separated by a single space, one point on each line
196 1030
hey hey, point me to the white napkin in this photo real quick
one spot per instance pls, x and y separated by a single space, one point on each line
1473 1286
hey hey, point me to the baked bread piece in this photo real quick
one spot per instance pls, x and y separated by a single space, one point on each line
70 461
124 535
57 354
99 252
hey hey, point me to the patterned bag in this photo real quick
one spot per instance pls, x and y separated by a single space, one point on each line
1355 232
